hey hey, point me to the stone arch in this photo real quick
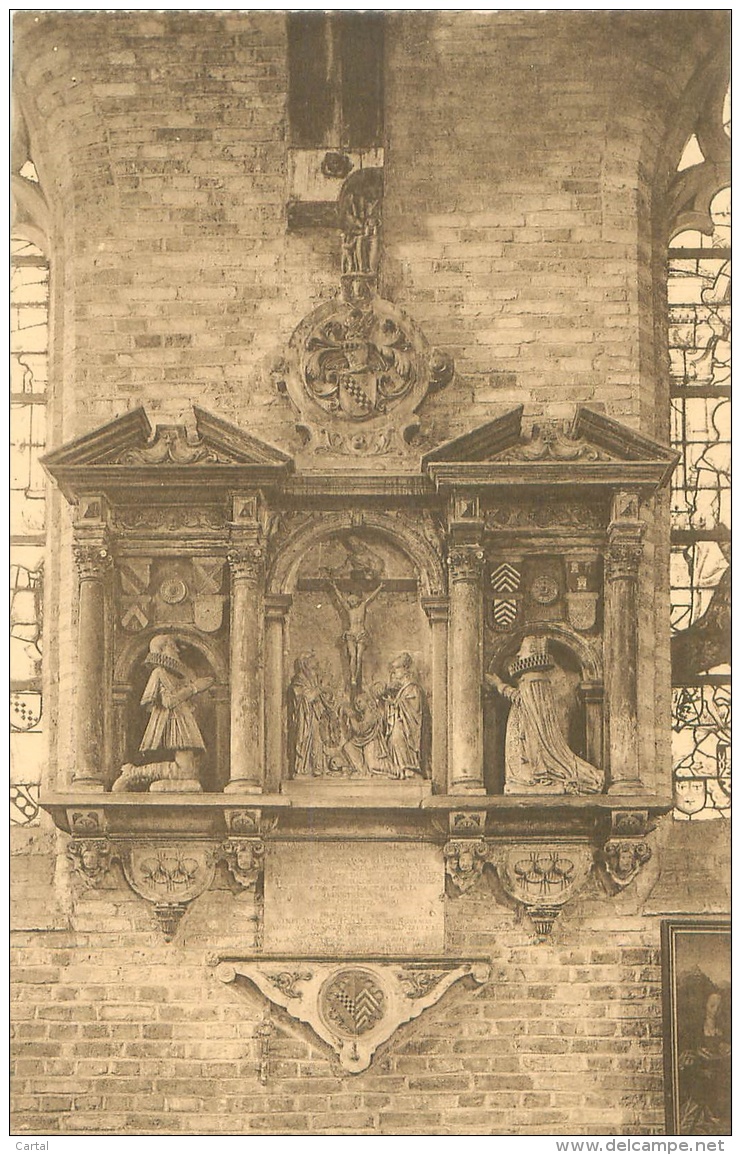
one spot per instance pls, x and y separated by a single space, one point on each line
399 530
137 646
586 653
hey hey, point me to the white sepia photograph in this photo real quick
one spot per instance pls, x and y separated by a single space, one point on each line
370 574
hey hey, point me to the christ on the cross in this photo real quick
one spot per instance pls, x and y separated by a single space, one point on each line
353 608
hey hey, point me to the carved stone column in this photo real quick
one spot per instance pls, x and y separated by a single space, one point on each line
592 695
466 775
94 565
276 608
622 563
437 612
245 762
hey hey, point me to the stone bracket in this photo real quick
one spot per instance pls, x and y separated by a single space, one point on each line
542 877
86 821
464 862
352 1005
167 873
621 859
244 860
625 849
249 823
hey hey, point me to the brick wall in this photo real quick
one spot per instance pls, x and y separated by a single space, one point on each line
116 1031
521 159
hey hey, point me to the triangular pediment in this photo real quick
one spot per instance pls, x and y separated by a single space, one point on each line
590 436
132 441
130 459
482 443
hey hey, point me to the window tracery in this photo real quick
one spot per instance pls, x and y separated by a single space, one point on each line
28 398
699 304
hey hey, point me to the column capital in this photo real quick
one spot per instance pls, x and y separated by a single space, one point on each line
436 608
466 562
93 560
277 606
246 562
623 557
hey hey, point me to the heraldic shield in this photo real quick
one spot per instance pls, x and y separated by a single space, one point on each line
582 609
208 611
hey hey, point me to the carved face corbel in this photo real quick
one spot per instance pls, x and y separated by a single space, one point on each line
244 859
622 858
464 862
90 858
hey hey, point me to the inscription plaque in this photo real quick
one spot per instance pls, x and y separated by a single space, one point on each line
376 898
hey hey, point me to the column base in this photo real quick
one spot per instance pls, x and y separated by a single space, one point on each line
176 786
88 786
626 786
242 786
476 789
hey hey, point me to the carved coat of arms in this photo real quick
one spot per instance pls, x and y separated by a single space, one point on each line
358 364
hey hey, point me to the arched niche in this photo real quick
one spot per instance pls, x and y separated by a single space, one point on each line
130 675
577 681
422 548
352 592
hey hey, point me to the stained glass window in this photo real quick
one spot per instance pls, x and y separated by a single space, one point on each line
28 395
699 302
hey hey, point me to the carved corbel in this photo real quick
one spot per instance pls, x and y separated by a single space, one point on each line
464 862
244 859
630 823
86 821
543 877
467 823
169 877
622 858
248 823
90 858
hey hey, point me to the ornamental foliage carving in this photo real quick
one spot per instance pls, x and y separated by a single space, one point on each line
551 441
466 562
168 518
93 561
540 514
622 559
171 446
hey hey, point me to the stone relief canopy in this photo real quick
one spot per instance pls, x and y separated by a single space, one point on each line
268 649
268 624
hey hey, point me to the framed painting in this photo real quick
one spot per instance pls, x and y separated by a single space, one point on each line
696 980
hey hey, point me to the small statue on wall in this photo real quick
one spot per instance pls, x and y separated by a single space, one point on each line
172 725
404 700
537 757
